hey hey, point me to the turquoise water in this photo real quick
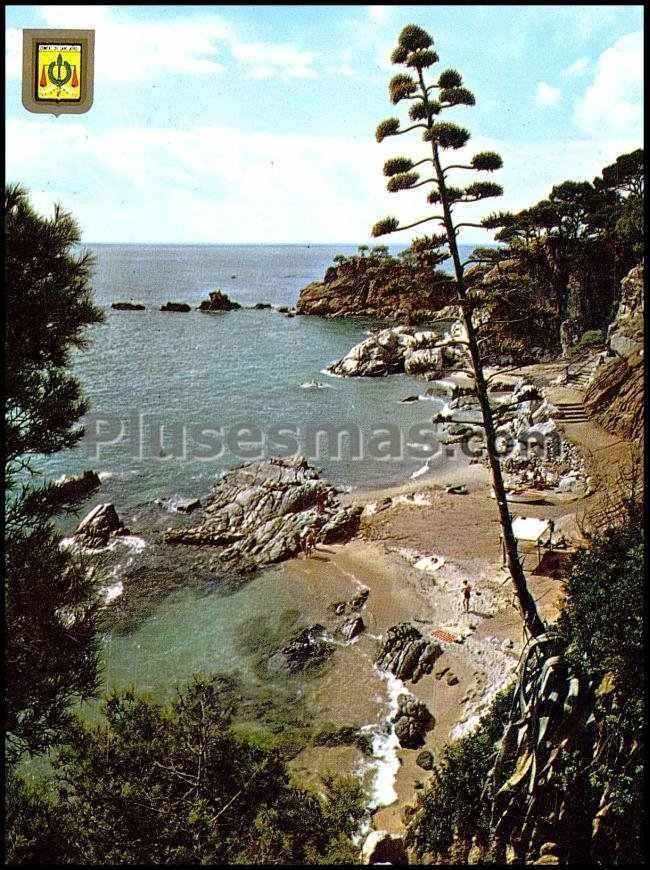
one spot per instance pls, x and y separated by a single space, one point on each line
242 368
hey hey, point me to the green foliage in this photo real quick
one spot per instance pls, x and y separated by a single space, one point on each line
591 337
402 181
49 307
419 112
455 804
422 59
447 135
414 38
487 161
396 165
483 189
603 615
386 128
457 97
400 87
50 649
154 784
385 226
450 78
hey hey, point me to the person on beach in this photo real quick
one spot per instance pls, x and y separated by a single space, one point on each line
310 542
299 544
467 591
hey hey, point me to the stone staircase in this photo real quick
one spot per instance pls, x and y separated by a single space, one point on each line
571 412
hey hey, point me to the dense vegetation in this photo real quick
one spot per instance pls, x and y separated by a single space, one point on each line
50 648
176 783
599 774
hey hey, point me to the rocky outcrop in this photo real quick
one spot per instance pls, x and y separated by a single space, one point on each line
403 349
352 627
615 397
406 654
385 290
625 333
308 648
98 526
128 306
412 721
380 847
218 301
181 307
256 513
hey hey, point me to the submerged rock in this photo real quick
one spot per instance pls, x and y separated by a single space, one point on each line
406 654
257 512
310 647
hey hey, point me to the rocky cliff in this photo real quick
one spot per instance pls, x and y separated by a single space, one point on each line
386 290
615 397
625 333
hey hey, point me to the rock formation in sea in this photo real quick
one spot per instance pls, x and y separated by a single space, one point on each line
407 654
218 301
404 349
181 307
128 306
382 288
256 513
98 526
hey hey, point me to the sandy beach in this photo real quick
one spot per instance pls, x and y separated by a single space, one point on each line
413 556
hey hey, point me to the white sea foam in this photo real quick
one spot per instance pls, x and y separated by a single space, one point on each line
113 591
106 475
385 745
329 374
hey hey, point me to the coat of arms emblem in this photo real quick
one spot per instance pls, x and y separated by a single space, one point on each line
58 70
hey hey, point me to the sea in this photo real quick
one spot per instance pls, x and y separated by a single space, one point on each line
175 399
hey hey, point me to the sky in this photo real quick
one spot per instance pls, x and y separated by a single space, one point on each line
255 124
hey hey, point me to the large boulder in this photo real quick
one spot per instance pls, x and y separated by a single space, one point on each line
100 524
402 349
218 301
412 721
256 513
380 847
406 654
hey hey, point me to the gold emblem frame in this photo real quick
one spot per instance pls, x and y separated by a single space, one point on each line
32 39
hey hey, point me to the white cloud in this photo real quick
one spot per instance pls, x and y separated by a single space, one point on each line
547 95
577 67
614 100
380 13
128 50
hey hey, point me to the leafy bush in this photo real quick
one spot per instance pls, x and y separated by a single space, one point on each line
455 806
591 337
154 784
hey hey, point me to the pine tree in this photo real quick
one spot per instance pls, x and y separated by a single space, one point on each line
51 650
415 53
